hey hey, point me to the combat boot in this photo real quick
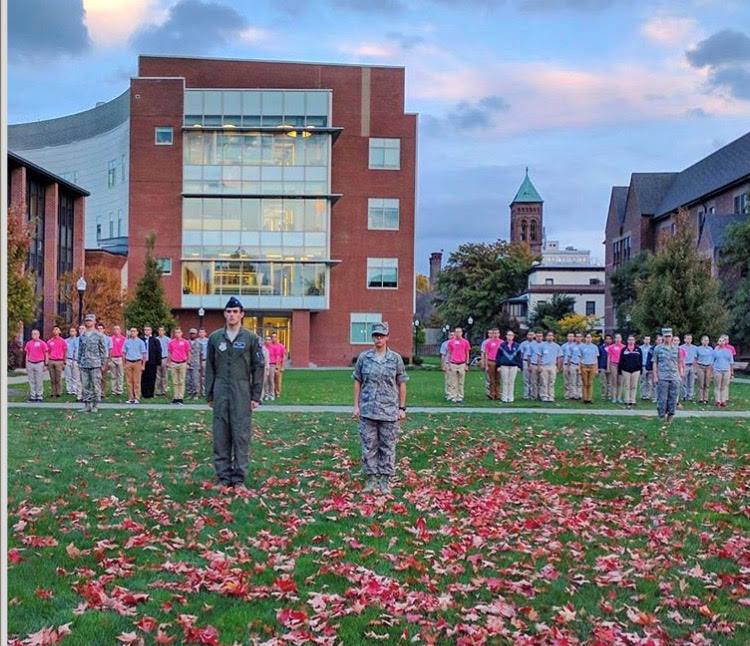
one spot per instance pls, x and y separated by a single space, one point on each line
385 485
371 485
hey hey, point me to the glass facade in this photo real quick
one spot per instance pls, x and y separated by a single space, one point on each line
35 197
65 248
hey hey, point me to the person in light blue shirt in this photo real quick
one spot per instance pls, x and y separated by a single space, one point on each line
526 363
444 362
162 371
688 377
646 373
565 353
703 366
535 357
589 355
135 354
573 368
550 363
723 369
72 373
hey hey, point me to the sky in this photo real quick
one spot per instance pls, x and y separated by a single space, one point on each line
583 92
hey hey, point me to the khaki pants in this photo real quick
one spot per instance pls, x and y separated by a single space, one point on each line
613 382
721 385
548 377
573 381
456 375
35 372
73 378
588 374
56 369
269 381
179 371
630 386
703 381
115 375
278 374
162 378
133 371
536 376
492 378
526 379
508 381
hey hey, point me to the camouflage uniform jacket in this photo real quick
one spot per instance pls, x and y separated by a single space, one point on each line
92 350
196 352
667 360
380 377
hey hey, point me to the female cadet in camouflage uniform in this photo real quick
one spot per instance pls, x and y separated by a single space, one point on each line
379 403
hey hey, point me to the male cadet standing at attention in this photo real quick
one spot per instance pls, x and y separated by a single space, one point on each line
116 361
379 404
550 363
153 361
162 372
459 354
688 378
108 344
194 364
444 363
73 374
565 350
526 363
667 376
92 355
234 383
646 384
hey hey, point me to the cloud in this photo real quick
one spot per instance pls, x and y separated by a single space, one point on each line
469 116
575 5
726 56
405 41
696 113
669 30
384 50
192 26
370 6
38 29
112 22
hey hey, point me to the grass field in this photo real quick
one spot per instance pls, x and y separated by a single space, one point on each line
425 389
499 529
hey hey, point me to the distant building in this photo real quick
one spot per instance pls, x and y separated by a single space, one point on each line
527 216
715 192
436 266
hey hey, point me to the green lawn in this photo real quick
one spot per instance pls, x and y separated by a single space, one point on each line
499 528
425 389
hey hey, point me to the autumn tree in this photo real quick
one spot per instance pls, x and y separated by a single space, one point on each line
422 284
104 295
477 279
623 285
735 265
22 301
679 290
546 315
148 305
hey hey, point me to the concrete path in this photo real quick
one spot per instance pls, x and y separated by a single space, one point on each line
434 410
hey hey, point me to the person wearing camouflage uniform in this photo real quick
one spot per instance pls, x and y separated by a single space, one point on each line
667 372
194 365
92 356
379 404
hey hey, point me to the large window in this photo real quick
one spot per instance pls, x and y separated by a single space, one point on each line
382 273
111 173
382 213
360 329
257 108
65 213
590 308
620 251
385 154
35 197
742 203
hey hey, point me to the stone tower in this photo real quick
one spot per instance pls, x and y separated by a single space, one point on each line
527 216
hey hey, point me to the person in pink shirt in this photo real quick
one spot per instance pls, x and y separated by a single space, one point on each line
459 353
116 362
489 363
57 352
277 352
36 360
613 369
177 360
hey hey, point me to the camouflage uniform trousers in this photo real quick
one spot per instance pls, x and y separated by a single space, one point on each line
91 385
378 440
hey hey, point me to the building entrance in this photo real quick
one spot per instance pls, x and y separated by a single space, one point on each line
266 325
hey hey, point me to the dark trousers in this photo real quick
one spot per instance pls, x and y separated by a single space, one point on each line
231 430
148 380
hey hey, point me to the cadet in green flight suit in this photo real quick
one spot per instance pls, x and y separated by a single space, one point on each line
234 382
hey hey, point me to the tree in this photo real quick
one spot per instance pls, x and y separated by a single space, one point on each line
577 323
477 279
22 299
679 291
422 284
104 296
546 315
148 305
735 264
622 285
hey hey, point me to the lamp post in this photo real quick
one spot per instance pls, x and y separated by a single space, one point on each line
470 321
201 314
81 287
416 337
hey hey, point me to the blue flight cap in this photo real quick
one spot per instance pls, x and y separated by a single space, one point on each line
234 302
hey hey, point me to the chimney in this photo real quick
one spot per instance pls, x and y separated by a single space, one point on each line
436 264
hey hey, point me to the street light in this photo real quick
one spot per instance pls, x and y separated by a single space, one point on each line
201 314
470 321
81 287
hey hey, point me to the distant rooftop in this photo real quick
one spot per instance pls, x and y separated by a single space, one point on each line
527 193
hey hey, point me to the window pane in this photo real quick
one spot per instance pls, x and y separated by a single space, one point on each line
232 102
294 103
212 103
317 103
251 103
193 102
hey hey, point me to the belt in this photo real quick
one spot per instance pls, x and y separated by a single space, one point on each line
705 365
119 356
688 364
51 359
134 360
458 363
176 362
42 361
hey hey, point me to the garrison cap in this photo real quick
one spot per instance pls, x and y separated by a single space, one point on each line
192 331
90 317
666 331
380 328
234 302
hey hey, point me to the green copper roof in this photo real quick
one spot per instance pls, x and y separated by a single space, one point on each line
527 192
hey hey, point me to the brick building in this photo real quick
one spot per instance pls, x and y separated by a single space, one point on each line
527 216
714 192
53 209
290 185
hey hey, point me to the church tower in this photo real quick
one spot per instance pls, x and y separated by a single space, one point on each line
527 216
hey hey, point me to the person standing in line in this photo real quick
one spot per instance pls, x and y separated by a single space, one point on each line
574 366
676 343
203 340
36 361
278 358
688 379
134 352
535 364
613 369
630 366
444 363
483 364
57 352
108 344
649 361
379 405
489 362
730 347
459 353
234 382
550 364
177 362
603 346
194 364
667 370
645 379
116 361
92 355
589 354
704 361
153 361
723 370
162 372
565 349
73 374
510 360
269 372
525 359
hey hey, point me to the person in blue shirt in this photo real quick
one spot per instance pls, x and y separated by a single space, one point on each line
535 364
648 364
603 360
162 371
574 367
703 366
108 344
526 363
72 373
589 354
444 362
550 363
565 350
688 377
646 376
723 369
135 355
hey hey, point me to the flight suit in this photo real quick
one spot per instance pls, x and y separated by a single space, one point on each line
234 378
